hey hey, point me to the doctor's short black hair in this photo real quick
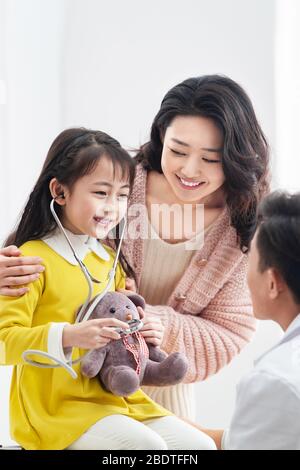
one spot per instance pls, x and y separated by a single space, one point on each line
278 237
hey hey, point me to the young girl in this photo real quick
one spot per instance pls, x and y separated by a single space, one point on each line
90 177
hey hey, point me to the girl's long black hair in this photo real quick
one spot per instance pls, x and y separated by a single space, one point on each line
245 156
73 154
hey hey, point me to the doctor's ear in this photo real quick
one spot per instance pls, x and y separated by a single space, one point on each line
57 192
275 282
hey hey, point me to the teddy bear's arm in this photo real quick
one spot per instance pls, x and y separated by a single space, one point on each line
156 354
91 365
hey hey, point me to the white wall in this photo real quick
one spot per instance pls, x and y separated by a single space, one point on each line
30 66
107 65
3 110
287 93
116 74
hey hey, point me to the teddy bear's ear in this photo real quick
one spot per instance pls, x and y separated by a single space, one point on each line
137 299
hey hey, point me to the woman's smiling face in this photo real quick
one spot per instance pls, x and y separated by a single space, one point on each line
192 158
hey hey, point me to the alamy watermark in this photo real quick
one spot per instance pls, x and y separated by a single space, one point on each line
174 222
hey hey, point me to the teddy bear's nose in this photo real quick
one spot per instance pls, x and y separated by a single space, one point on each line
129 317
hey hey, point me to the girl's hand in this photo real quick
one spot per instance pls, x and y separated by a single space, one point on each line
153 329
17 270
92 334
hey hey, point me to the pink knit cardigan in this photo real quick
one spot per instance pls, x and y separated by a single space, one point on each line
209 314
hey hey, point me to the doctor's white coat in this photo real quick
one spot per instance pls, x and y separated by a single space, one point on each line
267 412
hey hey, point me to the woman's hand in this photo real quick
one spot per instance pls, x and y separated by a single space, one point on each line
153 329
130 284
17 270
92 334
130 287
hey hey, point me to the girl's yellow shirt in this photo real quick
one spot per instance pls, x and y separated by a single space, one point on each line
48 408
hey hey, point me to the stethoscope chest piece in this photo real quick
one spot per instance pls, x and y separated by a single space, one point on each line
134 326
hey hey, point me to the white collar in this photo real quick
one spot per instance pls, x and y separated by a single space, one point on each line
292 331
82 244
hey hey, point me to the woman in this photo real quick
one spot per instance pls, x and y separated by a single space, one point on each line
207 155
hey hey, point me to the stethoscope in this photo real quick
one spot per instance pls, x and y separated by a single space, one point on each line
84 313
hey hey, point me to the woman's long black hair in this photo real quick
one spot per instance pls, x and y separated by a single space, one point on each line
245 156
73 154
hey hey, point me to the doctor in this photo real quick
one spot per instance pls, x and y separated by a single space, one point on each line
267 413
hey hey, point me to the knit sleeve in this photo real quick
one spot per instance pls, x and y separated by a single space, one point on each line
211 339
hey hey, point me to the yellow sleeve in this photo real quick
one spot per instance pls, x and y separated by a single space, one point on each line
16 331
120 277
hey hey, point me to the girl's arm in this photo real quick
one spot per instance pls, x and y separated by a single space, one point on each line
17 335
16 331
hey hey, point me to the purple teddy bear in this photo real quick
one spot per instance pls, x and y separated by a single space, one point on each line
123 365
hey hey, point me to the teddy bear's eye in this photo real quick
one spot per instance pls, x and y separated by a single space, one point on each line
112 310
127 306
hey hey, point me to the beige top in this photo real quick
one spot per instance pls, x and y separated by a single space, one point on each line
164 264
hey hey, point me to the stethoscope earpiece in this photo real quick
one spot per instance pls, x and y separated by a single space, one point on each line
60 196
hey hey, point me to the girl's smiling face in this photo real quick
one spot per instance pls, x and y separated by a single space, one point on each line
192 158
96 203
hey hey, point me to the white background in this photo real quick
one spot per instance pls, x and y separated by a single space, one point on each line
107 65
